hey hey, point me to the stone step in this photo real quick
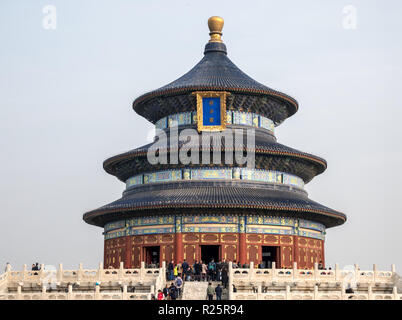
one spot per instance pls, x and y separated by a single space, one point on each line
194 290
197 290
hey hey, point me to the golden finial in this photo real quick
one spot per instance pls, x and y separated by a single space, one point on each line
215 25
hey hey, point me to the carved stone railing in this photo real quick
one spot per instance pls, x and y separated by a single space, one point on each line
282 284
48 283
76 296
335 295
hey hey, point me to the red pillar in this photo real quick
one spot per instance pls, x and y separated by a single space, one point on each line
178 240
178 247
242 240
322 252
105 254
242 248
295 250
127 257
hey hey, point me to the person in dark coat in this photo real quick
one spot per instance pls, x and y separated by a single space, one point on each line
185 266
225 277
166 291
212 270
173 292
198 270
218 291
170 270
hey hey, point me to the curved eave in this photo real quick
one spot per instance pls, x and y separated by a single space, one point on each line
292 104
213 196
89 217
142 152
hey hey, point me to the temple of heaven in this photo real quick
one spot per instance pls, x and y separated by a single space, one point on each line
178 210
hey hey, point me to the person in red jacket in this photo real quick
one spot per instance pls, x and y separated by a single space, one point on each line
161 296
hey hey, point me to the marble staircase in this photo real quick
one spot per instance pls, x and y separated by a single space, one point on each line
197 290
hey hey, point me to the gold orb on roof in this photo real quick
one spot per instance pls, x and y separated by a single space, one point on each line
215 25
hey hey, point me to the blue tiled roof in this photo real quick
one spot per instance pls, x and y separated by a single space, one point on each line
217 72
191 194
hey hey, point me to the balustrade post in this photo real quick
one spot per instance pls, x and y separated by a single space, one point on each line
393 268
357 273
100 272
121 269
60 273
343 291
395 293
153 289
79 272
163 274
295 273
251 271
97 292
370 292
230 288
24 272
19 293
315 292
315 270
288 296
336 271
375 273
43 292
70 292
124 292
41 271
273 267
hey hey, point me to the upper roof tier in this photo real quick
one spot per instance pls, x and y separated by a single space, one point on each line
216 72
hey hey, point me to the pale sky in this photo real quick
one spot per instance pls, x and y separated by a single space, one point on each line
66 95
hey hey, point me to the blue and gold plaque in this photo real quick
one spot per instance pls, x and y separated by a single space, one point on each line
211 110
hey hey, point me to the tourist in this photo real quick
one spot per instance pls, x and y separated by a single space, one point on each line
179 269
175 272
218 271
234 265
153 297
173 292
166 292
320 266
210 291
189 274
170 270
161 296
225 277
185 266
203 271
33 268
8 266
218 291
179 285
197 270
211 270
225 264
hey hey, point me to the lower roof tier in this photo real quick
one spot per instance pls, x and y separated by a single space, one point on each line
269 155
186 196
